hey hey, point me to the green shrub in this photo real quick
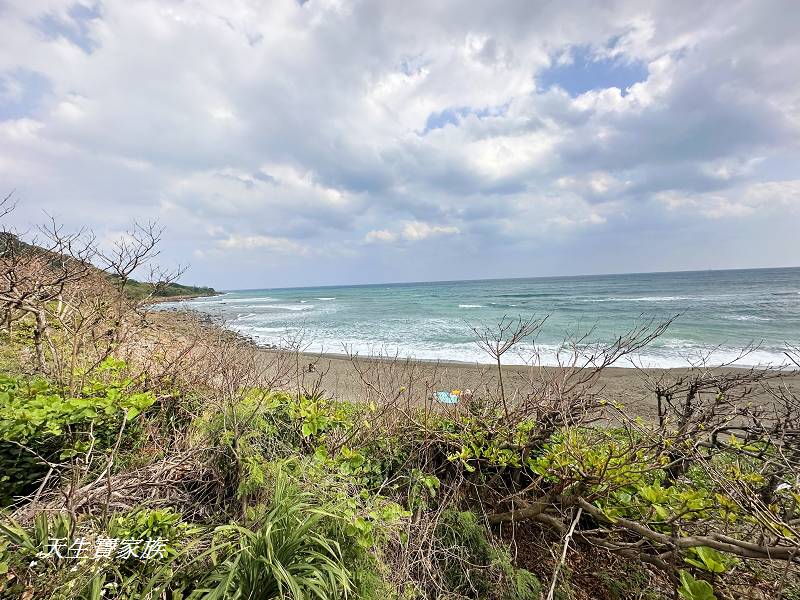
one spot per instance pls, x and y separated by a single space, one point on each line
517 584
27 553
151 524
474 567
38 423
283 554
22 550
467 553
694 589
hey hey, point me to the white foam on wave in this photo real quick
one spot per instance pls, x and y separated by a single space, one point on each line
470 306
226 303
217 299
668 353
293 307
746 318
676 344
334 298
268 333
265 312
227 300
264 336
647 299
654 358
247 316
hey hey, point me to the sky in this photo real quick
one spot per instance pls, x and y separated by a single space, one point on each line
290 143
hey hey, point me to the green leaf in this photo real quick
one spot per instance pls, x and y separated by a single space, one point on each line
662 512
707 559
694 589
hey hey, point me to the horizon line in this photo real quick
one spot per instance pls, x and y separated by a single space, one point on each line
480 279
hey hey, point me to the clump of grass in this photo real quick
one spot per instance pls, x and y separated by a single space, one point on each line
474 566
284 553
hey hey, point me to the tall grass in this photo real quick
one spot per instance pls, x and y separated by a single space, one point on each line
286 554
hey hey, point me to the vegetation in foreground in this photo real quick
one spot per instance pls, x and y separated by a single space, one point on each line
133 466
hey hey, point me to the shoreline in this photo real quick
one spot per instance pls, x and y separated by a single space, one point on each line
219 322
337 373
181 298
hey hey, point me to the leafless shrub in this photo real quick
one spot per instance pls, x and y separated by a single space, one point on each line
497 341
705 419
183 478
7 205
76 294
32 277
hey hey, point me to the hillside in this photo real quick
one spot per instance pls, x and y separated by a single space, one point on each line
136 290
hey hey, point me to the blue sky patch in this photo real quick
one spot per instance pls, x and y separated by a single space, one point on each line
21 93
75 28
587 72
455 114
448 116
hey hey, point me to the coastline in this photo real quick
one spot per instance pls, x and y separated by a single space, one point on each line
338 373
181 298
719 313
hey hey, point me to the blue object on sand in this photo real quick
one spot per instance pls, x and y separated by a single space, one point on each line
446 398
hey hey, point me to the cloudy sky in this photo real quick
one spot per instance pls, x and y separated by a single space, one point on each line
322 142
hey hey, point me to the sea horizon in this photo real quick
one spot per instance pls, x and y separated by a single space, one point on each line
723 309
485 279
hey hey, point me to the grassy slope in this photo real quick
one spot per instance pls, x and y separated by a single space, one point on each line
136 289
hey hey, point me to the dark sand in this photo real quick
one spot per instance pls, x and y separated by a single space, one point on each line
338 374
628 386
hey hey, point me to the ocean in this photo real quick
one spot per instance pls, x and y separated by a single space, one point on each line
725 310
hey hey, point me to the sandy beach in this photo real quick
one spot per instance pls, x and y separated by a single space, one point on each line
338 374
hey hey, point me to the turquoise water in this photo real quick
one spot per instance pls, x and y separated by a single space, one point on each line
728 309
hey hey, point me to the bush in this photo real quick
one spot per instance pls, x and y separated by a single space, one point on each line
474 567
35 571
284 553
39 424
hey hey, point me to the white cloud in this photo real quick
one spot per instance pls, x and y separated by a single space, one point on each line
417 230
257 242
411 231
380 235
779 198
314 128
